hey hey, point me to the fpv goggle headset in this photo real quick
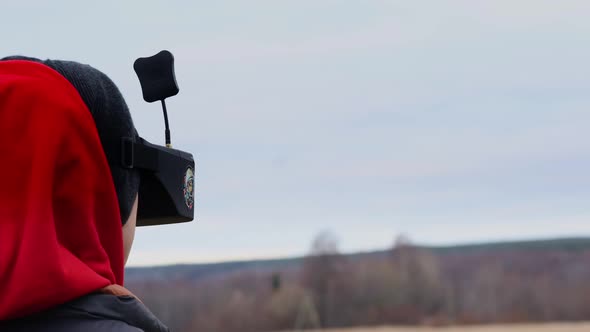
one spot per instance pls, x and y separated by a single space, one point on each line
167 189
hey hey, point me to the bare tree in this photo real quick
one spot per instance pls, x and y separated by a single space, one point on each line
321 269
418 270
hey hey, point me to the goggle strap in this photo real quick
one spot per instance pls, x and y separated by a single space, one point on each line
137 155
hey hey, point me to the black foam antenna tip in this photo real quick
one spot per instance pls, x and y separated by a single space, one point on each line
156 76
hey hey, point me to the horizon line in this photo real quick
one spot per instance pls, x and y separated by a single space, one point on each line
353 251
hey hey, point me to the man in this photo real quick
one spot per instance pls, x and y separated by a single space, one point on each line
67 208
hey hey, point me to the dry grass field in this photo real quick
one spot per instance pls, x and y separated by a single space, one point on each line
553 327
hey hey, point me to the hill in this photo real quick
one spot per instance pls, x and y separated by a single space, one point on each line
500 282
198 271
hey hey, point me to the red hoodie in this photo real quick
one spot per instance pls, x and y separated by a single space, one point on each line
60 227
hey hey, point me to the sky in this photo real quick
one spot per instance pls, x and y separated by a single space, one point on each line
449 122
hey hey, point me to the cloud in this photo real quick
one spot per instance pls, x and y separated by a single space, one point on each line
452 121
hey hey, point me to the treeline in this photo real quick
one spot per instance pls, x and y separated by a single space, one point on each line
407 285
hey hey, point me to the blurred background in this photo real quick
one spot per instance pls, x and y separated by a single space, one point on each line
359 163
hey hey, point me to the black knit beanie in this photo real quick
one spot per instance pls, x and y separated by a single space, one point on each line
112 118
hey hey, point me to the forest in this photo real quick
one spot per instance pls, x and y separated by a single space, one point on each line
407 284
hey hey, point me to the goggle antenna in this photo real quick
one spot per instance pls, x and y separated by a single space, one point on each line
158 82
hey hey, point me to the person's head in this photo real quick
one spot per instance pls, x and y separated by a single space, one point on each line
113 121
111 117
67 208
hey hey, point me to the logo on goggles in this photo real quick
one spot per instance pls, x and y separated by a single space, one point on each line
187 189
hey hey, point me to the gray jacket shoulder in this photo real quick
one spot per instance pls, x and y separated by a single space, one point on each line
90 313
69 324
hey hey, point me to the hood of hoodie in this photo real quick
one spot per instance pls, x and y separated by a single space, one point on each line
60 227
